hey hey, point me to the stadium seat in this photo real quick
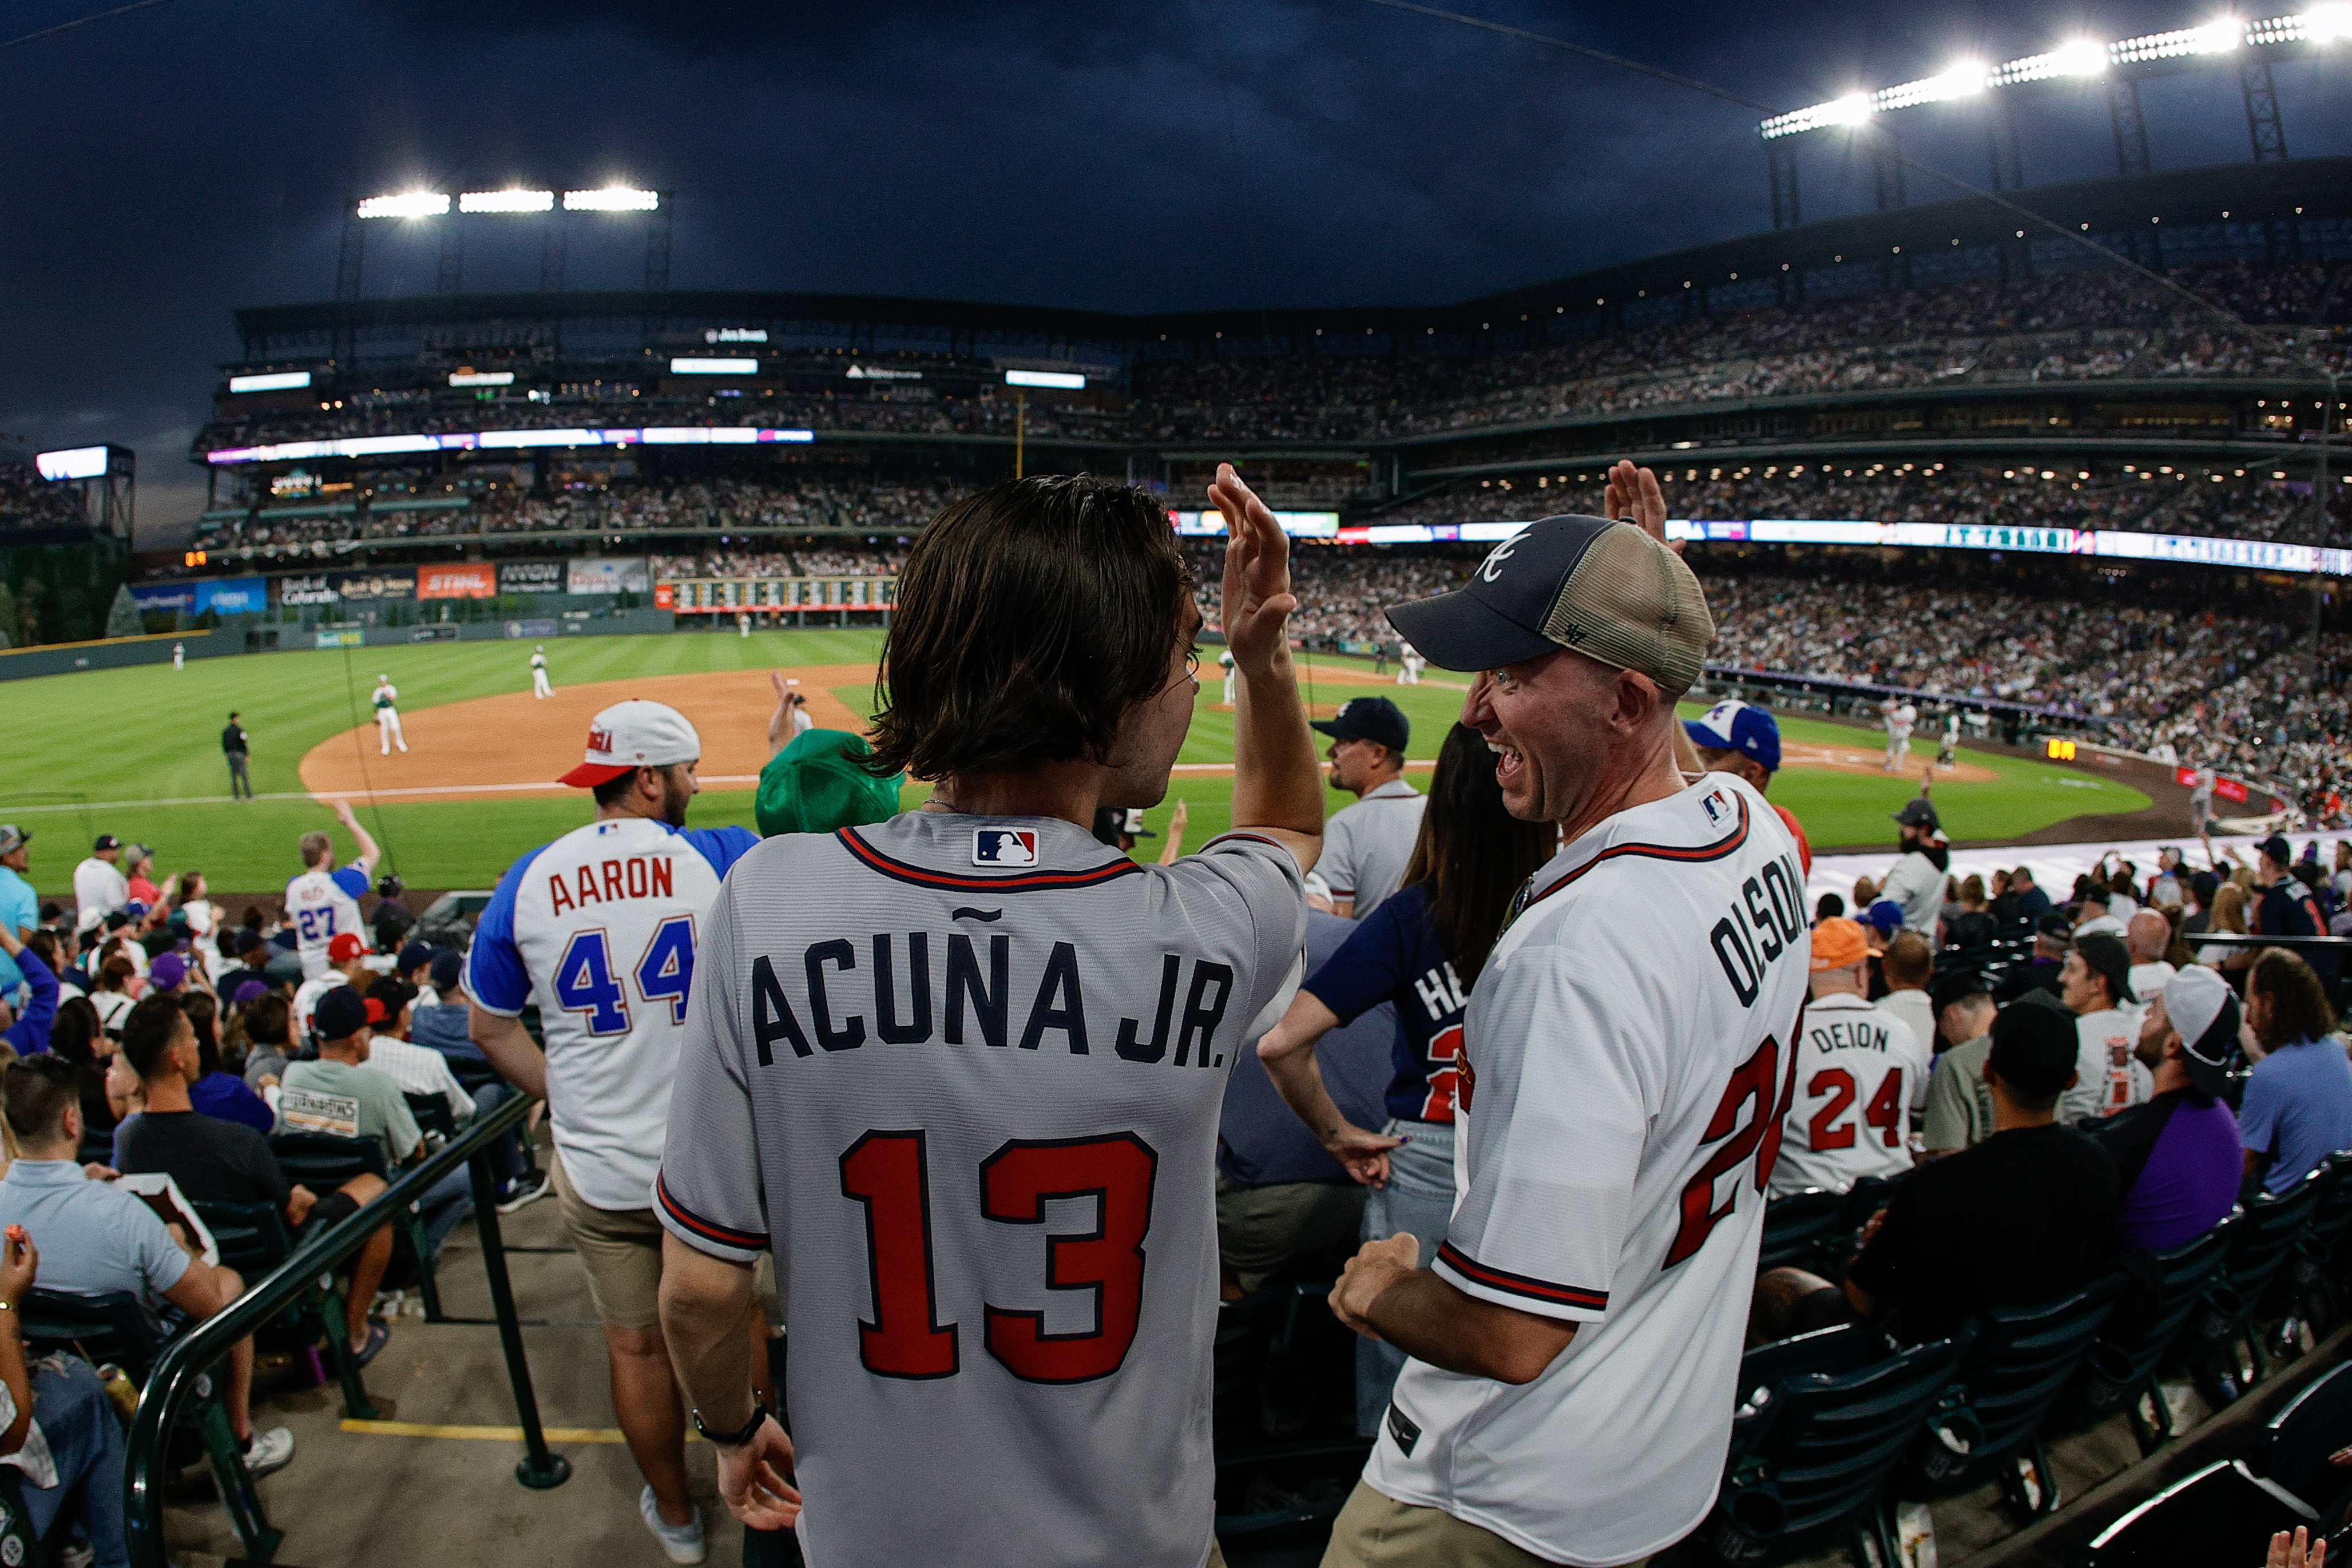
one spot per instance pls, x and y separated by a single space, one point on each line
1813 1444
2220 1517
114 1328
2291 1452
1283 1398
2304 1286
323 1162
2222 1344
253 1239
2021 1362
1800 1228
432 1113
2120 1372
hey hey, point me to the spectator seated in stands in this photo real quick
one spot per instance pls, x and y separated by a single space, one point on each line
345 1097
1958 1113
417 1069
443 1027
58 1428
1908 964
346 966
216 1092
27 1032
2053 935
226 1162
2297 1108
2178 1157
2031 903
2148 936
1974 926
2093 916
2096 986
1856 1063
414 965
2018 1219
95 1239
268 1020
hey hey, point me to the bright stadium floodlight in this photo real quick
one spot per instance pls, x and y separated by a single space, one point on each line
1063 380
510 201
1964 80
273 380
611 199
2083 57
704 367
2325 24
72 462
408 205
2220 35
1851 109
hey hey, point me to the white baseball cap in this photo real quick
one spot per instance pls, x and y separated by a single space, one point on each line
634 734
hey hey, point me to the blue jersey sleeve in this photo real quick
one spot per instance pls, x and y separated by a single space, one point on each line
495 975
722 847
1374 963
351 880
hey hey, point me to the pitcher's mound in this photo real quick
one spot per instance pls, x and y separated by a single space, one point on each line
1859 760
519 745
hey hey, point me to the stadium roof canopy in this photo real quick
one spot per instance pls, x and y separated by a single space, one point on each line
2119 210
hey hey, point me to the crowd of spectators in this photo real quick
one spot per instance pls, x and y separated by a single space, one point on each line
29 502
2084 326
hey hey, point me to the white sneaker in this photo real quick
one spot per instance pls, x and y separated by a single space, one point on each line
267 1451
681 1543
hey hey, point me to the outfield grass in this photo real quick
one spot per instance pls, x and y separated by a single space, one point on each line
133 737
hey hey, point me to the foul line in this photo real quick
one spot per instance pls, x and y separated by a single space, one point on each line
315 795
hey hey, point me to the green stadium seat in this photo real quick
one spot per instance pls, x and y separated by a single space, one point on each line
253 1239
2222 1344
2120 1373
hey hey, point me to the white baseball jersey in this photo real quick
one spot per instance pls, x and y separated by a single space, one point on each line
1903 720
970 1096
324 905
1627 1064
385 695
539 661
2108 1076
1859 1068
600 929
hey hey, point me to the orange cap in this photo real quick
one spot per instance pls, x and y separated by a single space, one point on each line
1839 943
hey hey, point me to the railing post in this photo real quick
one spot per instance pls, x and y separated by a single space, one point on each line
540 1469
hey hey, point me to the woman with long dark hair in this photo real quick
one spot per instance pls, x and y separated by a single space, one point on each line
1421 949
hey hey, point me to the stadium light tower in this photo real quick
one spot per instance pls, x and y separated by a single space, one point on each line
513 201
2252 47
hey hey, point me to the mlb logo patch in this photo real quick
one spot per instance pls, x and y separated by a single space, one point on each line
1718 808
1004 846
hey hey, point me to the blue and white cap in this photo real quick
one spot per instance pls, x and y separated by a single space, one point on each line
1735 726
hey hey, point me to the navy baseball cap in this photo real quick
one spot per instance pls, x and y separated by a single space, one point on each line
106 842
1375 719
1735 726
1918 813
2278 849
1607 589
339 1014
413 956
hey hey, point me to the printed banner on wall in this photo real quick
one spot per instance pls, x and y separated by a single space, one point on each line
606 574
458 580
295 592
530 577
375 587
154 597
232 595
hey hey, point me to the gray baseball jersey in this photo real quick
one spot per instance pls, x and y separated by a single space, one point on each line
963 1075
1368 845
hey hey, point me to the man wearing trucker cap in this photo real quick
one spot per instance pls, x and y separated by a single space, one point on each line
599 927
1575 1343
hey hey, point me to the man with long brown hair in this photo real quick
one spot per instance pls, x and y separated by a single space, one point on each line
961 1070
2298 1105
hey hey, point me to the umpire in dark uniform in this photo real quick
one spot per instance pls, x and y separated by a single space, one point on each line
233 744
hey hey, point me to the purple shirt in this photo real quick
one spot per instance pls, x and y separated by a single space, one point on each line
2181 1162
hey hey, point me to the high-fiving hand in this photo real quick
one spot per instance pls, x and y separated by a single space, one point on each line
1633 494
1257 597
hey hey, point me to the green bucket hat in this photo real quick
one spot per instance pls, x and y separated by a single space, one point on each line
816 784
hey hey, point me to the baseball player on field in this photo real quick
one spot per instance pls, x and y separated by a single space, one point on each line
387 698
1948 755
323 901
1858 1069
2200 797
1409 663
970 1094
1225 662
1900 718
1627 1062
539 683
602 928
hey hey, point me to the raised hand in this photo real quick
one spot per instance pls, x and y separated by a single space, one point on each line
1633 494
1257 597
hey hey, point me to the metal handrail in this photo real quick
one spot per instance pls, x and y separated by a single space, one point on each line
2238 939
178 1378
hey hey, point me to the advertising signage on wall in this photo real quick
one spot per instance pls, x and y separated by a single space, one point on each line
222 595
298 592
606 574
530 577
155 598
375 587
458 580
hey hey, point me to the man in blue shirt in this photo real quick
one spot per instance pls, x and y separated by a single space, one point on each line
20 907
2298 1104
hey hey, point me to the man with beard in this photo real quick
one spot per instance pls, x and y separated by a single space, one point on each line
599 928
1917 882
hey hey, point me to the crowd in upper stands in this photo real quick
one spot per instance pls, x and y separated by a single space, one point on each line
2082 325
27 501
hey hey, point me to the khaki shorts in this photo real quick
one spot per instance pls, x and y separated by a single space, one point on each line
620 1249
1375 1531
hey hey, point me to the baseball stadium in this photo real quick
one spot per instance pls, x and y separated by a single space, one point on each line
2018 513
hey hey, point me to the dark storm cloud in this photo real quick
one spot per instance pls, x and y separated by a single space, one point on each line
172 165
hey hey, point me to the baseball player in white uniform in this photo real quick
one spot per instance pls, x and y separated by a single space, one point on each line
323 903
1859 1067
600 928
2200 797
179 655
969 1096
1225 662
1576 1342
1901 717
1948 755
539 681
387 698
1409 663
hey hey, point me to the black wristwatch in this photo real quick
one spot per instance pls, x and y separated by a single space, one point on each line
741 1435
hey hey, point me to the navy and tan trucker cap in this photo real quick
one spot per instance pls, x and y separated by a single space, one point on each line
1605 588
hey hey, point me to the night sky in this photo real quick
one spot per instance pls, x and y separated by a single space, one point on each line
169 166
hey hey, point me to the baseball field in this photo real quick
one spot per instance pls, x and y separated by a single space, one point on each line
136 752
